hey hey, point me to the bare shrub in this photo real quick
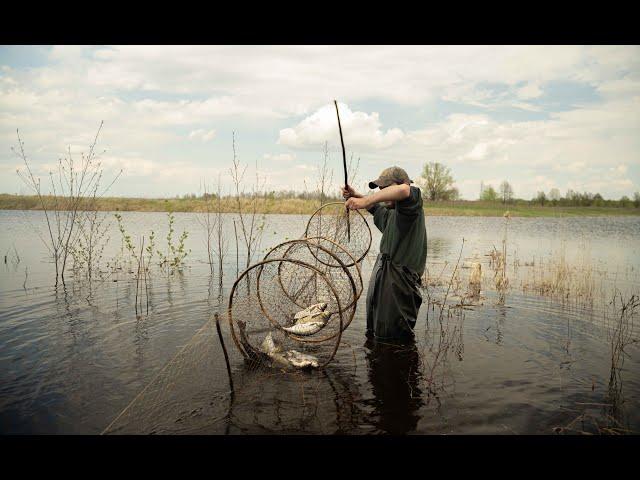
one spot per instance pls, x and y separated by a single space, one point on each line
74 188
250 223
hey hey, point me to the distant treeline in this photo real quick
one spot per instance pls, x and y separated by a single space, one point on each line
553 198
276 195
585 199
438 185
307 203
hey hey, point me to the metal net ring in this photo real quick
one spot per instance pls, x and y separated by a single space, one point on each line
330 221
351 264
300 291
256 310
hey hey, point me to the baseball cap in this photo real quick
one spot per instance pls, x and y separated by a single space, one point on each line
390 176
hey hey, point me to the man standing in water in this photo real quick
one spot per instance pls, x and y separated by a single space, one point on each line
394 298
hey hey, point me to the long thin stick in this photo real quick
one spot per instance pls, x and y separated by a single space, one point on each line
344 164
224 350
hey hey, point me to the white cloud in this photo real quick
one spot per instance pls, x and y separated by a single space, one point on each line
530 90
149 96
279 157
586 148
202 134
361 130
130 166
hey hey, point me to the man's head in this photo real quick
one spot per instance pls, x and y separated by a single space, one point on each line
390 176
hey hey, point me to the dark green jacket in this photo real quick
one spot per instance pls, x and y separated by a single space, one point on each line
404 235
394 296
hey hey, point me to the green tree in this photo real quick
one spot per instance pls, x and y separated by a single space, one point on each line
540 198
624 201
554 195
506 192
636 199
489 194
437 182
597 200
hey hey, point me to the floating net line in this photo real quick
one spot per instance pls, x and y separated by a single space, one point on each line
194 394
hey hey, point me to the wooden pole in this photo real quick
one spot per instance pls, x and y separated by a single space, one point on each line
344 165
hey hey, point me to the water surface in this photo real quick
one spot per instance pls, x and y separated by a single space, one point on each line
75 358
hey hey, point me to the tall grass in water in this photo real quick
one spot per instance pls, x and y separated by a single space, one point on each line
498 263
573 284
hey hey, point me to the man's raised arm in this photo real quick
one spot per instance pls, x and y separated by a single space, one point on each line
390 194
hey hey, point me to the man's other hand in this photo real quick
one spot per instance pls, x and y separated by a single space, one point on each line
354 203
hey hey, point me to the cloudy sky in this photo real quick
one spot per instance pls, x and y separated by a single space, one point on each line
537 116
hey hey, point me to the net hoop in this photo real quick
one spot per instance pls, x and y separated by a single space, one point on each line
359 218
276 324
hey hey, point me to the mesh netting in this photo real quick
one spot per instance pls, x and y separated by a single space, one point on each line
290 309
346 228
260 311
318 252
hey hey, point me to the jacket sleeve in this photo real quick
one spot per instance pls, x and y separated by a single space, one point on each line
409 209
380 216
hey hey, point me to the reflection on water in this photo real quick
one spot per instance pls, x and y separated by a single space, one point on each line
76 358
394 373
439 247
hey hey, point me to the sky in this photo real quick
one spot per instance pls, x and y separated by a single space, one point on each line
540 117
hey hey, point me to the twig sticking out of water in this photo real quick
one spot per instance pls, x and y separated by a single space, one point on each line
444 302
145 272
144 268
235 233
138 273
251 226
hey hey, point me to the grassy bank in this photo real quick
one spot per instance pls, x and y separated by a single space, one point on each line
303 206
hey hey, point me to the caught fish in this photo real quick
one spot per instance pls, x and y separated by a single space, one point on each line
269 345
254 354
311 310
273 351
301 360
289 358
309 325
272 354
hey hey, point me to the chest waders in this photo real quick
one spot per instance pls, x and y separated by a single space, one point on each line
393 299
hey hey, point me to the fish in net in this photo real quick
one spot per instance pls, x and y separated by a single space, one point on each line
259 310
301 285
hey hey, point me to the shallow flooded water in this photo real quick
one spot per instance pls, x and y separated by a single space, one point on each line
76 358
